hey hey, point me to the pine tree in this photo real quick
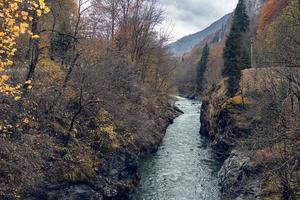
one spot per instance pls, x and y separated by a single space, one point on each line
236 53
201 68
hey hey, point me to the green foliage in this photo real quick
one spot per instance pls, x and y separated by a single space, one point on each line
241 20
236 55
201 68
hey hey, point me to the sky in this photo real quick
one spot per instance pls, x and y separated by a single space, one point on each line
184 17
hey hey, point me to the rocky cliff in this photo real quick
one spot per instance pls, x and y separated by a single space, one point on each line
226 122
240 130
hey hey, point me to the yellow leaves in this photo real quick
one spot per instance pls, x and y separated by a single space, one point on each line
24 15
4 127
112 135
39 13
13 51
8 90
238 100
16 30
14 6
10 22
46 10
9 63
28 82
16 20
108 129
26 120
35 37
23 27
17 98
4 78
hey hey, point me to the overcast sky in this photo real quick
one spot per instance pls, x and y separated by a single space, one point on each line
185 17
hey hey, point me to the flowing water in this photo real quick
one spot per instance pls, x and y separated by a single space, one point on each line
183 168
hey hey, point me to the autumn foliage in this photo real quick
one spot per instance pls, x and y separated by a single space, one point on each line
271 10
15 17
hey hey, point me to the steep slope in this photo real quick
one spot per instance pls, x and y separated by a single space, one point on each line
187 43
256 132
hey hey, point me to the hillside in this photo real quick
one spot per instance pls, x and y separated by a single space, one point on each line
81 101
187 43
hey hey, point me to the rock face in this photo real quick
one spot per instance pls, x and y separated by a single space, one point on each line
231 125
254 7
226 122
76 192
216 122
238 178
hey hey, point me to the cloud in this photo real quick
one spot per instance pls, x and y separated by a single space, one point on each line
189 16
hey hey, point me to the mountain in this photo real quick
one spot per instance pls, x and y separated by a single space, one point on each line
187 43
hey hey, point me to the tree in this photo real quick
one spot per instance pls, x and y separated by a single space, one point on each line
236 56
60 27
270 11
130 27
278 44
15 18
201 68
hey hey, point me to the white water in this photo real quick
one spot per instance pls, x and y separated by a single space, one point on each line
183 168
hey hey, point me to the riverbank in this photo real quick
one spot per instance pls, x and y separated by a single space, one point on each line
238 178
101 164
242 135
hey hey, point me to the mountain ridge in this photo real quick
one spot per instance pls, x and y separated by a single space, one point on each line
187 43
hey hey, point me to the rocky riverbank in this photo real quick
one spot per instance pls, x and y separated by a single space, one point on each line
223 122
218 122
101 165
238 131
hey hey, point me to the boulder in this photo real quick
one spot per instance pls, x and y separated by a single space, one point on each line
238 178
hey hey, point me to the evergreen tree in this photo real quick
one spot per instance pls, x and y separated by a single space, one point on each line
201 68
236 53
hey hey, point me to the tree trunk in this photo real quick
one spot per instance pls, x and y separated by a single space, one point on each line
34 49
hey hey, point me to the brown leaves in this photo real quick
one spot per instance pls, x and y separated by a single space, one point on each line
270 11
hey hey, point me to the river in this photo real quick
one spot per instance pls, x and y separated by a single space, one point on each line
183 168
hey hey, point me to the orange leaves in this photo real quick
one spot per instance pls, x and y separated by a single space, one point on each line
238 100
270 11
